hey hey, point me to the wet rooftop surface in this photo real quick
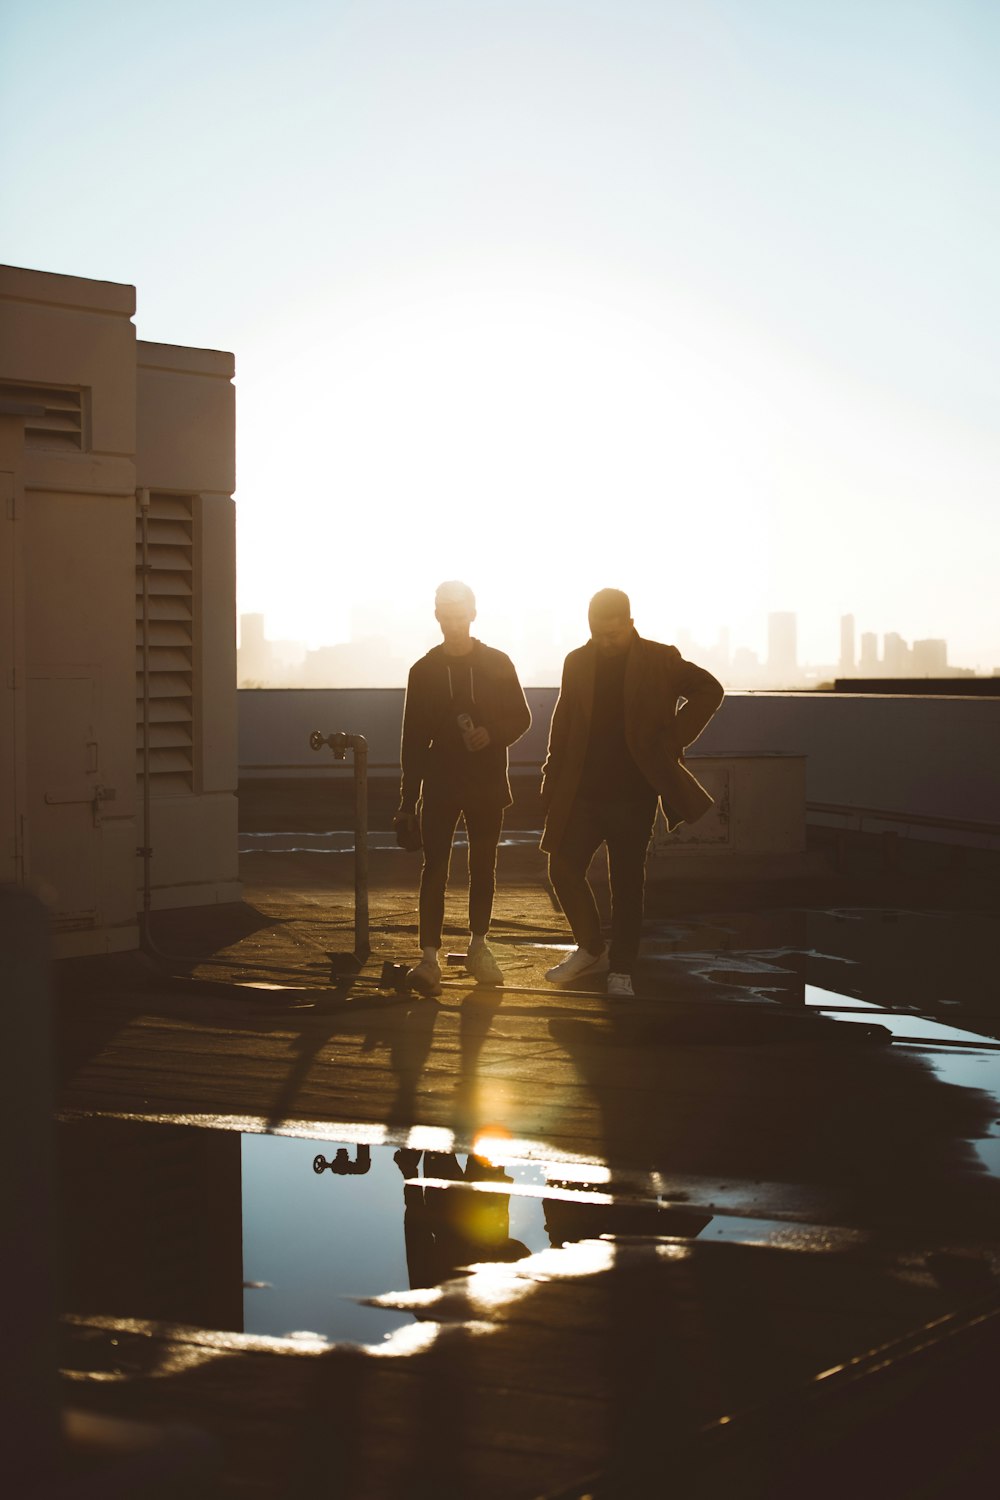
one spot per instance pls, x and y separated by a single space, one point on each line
589 1233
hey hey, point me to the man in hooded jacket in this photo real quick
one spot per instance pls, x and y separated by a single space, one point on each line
464 707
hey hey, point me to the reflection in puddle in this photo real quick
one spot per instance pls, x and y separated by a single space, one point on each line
284 1236
387 1220
324 1228
345 1235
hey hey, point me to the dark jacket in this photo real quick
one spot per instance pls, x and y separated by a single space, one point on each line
432 745
657 731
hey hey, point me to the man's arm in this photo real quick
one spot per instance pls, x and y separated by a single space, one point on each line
558 733
413 745
514 718
702 693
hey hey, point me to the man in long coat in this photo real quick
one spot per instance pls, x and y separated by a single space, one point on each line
627 710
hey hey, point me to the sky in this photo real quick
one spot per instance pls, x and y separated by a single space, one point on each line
693 298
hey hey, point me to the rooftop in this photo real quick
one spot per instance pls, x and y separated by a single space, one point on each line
782 1157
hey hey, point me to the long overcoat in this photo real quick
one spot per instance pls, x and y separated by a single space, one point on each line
668 702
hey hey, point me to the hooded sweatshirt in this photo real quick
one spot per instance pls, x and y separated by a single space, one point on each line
433 754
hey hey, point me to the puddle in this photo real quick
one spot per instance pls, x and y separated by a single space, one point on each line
285 1236
940 961
341 841
959 1057
323 1224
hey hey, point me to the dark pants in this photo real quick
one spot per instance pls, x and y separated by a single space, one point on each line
438 820
626 828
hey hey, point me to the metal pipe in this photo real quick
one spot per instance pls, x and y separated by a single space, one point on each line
145 849
361 929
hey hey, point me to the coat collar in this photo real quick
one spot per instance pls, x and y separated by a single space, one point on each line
632 676
588 671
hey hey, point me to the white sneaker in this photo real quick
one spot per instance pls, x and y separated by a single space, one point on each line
482 965
620 986
580 964
426 977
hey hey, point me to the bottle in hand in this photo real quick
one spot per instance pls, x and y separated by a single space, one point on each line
466 725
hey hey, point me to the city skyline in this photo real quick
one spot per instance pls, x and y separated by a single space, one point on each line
374 658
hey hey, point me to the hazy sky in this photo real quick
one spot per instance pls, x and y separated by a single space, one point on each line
695 298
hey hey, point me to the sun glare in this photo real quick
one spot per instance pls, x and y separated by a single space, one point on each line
540 447
493 1145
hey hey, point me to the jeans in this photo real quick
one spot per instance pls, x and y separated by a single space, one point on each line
438 820
626 828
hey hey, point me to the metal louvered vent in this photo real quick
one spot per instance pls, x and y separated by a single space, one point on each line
58 425
171 644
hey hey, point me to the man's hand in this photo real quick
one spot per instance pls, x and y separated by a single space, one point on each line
478 738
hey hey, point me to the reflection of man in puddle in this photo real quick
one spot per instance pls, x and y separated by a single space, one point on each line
573 1218
447 1228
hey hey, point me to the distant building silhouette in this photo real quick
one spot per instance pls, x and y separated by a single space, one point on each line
745 670
383 640
366 663
253 657
847 660
930 658
782 648
261 662
895 655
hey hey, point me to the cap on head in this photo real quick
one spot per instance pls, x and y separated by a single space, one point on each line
609 603
454 592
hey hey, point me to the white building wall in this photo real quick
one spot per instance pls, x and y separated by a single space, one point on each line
74 809
185 448
69 803
13 684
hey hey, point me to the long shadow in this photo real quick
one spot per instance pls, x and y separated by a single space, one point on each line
868 1134
871 1135
199 932
95 997
312 1037
478 1011
409 1044
405 1027
403 1023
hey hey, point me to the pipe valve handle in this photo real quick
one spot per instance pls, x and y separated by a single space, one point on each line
339 743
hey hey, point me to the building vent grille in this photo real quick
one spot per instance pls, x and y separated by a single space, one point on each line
171 644
57 424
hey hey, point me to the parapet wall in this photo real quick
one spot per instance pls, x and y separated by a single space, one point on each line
932 757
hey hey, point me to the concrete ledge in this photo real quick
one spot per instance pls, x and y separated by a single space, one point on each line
735 865
211 893
95 940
